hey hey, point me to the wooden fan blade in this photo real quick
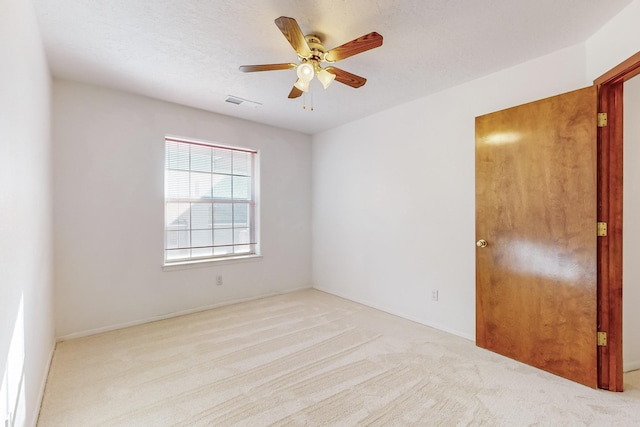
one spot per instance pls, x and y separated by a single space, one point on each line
294 35
295 92
346 77
359 45
266 67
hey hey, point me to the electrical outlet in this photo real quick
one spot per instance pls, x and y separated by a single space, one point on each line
434 295
219 280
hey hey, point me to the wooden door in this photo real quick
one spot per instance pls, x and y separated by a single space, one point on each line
536 209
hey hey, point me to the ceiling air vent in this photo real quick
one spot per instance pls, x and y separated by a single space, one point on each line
243 102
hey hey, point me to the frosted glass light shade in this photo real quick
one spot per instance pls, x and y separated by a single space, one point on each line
305 72
302 85
325 77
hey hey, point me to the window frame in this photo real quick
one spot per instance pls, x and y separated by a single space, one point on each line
252 203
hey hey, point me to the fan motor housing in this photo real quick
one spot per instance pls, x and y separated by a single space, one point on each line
315 45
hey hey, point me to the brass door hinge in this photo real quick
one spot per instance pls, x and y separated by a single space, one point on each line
602 229
602 339
602 120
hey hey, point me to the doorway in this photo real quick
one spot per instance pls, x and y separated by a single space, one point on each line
610 246
631 231
610 211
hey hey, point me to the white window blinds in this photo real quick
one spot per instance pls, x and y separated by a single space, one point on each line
210 201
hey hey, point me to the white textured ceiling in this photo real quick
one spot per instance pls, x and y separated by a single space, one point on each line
189 51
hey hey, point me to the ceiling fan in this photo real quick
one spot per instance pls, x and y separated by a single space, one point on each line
311 54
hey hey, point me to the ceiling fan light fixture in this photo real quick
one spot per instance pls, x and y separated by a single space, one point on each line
311 53
325 77
305 72
303 85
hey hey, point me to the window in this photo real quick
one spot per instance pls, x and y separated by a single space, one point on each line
210 201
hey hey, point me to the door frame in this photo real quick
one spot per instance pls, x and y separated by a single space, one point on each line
610 164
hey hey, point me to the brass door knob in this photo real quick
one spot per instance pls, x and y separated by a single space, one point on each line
481 243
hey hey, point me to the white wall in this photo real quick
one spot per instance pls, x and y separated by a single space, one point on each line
631 238
393 195
616 41
26 336
109 182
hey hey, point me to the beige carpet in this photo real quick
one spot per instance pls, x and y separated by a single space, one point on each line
308 358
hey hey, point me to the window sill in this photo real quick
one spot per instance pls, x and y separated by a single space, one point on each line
210 262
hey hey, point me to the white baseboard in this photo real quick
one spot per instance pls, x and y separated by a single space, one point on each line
43 385
396 313
631 366
170 315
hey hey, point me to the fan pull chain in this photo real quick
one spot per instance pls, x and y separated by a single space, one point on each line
304 101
